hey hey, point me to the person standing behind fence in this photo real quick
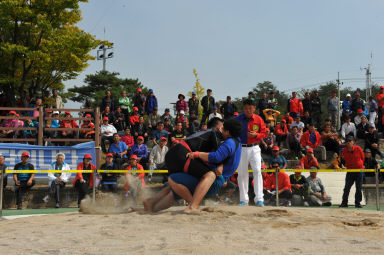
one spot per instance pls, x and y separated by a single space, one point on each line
109 180
380 102
253 131
57 181
23 181
332 106
354 159
207 102
83 181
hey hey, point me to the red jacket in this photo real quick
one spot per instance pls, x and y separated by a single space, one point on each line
256 124
68 124
295 105
80 175
288 120
305 140
140 175
128 140
181 105
134 119
281 130
284 182
267 182
353 159
307 163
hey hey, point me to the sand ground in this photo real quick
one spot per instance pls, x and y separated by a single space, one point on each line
215 230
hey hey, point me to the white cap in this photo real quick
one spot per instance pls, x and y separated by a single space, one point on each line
348 95
55 112
182 112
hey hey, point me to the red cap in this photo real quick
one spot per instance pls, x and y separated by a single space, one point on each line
140 137
88 115
138 90
283 120
360 111
18 115
105 118
12 112
163 138
235 113
49 110
109 155
135 108
67 112
133 156
381 87
267 130
87 155
309 150
25 154
275 148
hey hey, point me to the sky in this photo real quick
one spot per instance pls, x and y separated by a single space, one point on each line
236 44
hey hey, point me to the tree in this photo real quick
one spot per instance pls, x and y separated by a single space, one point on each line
267 87
40 46
96 85
199 92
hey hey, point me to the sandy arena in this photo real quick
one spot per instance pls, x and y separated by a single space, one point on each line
215 230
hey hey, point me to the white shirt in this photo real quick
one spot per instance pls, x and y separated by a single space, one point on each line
357 119
299 125
157 155
64 176
109 127
347 128
212 115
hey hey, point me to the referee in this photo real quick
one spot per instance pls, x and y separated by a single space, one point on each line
253 131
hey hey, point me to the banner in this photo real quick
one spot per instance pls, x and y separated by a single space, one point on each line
43 156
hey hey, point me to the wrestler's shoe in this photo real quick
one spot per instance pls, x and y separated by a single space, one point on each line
260 203
242 203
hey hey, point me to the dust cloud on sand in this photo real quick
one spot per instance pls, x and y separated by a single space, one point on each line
214 230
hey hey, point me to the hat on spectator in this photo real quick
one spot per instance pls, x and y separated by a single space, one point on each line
88 115
299 167
360 111
49 111
163 138
348 95
140 138
310 150
138 90
236 114
105 118
193 93
275 148
349 139
109 155
267 130
381 87
166 109
67 112
182 112
180 96
367 150
297 115
215 107
87 155
25 154
55 112
135 108
12 112
133 156
150 91
18 115
283 120
357 92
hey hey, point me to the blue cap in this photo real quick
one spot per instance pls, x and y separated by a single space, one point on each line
297 115
193 93
215 107
357 91
150 91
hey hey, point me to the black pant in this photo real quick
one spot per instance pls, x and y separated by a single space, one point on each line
204 117
379 120
351 178
280 139
109 187
332 145
103 140
55 189
20 189
316 117
287 194
83 189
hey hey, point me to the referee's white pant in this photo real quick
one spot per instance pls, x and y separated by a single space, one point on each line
252 156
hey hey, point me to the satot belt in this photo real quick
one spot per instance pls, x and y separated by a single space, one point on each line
249 145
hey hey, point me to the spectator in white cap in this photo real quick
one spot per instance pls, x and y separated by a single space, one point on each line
347 103
181 118
215 114
57 181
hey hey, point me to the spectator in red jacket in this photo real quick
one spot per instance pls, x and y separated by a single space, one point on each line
354 159
83 181
284 188
181 104
288 119
281 132
68 123
311 137
127 138
309 160
133 166
295 106
134 118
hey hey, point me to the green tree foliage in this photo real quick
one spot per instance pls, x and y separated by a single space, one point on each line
96 84
40 46
200 91
266 87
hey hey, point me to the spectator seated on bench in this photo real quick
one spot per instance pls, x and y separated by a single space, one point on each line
109 180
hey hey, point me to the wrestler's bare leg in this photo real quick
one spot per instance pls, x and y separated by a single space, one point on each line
150 202
164 203
180 190
201 190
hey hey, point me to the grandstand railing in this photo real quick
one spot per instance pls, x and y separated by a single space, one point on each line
376 171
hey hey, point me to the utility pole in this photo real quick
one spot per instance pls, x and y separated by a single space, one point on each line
368 82
102 55
338 105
